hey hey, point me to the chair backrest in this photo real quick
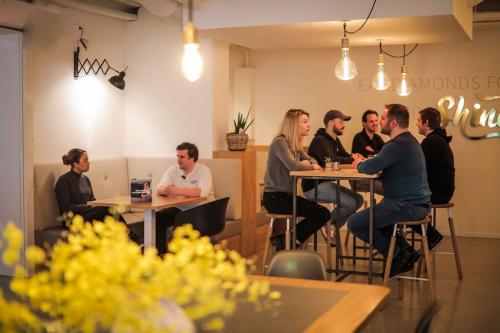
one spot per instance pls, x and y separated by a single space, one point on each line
425 321
209 218
298 264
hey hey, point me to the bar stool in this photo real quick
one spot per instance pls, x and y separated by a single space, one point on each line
448 206
424 251
273 217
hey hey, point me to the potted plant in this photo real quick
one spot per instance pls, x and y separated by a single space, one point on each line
238 139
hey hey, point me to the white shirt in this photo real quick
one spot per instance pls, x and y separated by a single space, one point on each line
200 177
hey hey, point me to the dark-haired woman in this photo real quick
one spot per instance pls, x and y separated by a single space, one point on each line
74 190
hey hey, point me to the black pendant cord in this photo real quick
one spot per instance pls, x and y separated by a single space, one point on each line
404 55
361 27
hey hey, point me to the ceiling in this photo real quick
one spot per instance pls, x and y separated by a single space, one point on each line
429 29
423 29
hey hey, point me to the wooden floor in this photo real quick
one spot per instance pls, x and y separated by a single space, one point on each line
470 305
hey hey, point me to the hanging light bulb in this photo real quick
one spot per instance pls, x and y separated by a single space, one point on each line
192 63
345 69
404 88
381 80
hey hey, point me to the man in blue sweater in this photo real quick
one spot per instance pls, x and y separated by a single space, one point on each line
406 192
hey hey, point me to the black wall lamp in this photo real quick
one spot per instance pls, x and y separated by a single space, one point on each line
95 66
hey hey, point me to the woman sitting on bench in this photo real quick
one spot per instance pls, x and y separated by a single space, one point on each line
74 190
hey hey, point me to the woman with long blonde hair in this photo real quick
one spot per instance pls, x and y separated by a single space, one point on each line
286 154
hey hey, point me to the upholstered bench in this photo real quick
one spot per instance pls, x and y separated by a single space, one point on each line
110 178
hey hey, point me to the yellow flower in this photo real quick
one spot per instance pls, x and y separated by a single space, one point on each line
35 255
100 279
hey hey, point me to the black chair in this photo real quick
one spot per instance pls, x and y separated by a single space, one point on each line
209 218
425 321
298 264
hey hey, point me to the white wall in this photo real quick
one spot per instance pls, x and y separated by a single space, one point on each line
305 79
69 113
12 164
162 109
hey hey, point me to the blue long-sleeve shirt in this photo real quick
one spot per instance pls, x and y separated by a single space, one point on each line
403 165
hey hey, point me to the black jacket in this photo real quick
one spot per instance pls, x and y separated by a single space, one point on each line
361 140
440 163
321 147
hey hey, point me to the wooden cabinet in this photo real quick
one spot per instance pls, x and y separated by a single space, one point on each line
249 196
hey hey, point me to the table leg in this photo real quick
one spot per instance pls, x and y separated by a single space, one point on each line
370 236
294 190
149 228
337 237
316 233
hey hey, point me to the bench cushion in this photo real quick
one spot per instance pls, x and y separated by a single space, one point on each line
108 177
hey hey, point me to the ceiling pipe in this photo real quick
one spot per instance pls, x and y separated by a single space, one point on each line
86 7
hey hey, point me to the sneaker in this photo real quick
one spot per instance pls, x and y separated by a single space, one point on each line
279 241
412 259
435 241
401 264
135 238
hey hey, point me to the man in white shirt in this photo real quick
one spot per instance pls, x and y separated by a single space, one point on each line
188 178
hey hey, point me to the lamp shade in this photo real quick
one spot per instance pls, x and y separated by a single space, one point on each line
118 80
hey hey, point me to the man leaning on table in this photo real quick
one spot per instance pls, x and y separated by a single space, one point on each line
406 192
326 144
187 178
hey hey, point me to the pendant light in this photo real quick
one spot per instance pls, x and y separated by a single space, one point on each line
404 88
192 62
345 69
381 80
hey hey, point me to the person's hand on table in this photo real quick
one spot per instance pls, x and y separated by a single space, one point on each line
169 190
305 162
316 167
173 190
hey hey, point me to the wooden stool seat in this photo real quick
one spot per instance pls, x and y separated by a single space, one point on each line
279 216
446 205
424 251
418 222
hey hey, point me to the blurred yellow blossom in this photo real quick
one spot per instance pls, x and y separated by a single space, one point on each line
100 280
35 255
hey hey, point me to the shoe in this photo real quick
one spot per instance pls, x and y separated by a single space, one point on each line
279 242
435 241
135 238
401 264
412 259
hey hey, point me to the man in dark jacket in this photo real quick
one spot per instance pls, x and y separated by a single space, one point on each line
406 192
368 142
439 163
326 144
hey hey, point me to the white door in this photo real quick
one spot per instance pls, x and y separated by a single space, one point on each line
11 133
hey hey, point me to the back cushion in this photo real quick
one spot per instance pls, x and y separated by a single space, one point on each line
226 176
108 178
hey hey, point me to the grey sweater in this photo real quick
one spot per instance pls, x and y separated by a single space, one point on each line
280 161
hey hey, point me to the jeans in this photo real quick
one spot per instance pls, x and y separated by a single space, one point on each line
350 201
315 215
385 214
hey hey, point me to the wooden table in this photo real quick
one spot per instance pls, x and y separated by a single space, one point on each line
309 306
150 209
345 173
